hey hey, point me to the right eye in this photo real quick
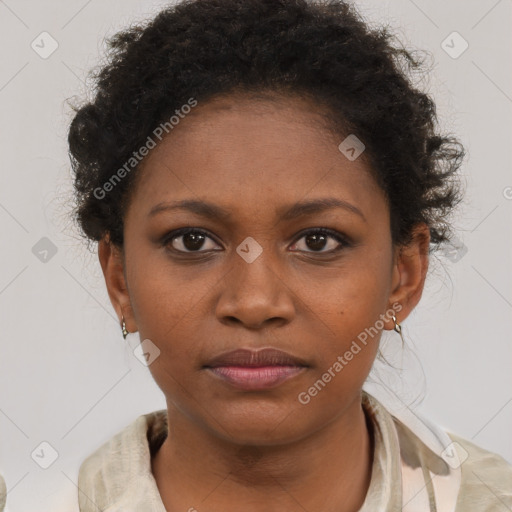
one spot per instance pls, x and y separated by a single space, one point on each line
187 240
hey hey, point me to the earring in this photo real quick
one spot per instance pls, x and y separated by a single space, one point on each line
398 329
123 328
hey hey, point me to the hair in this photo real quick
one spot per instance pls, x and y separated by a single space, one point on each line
322 51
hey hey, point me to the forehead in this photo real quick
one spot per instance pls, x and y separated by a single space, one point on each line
249 154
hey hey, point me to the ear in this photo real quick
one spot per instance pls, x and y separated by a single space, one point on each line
112 265
410 266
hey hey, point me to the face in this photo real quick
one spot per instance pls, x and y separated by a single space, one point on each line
260 275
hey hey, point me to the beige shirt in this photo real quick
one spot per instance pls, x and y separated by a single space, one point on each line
410 472
3 493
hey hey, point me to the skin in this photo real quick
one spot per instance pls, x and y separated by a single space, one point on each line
260 450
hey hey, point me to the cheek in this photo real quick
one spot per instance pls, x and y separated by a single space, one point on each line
162 296
166 312
347 313
347 301
345 350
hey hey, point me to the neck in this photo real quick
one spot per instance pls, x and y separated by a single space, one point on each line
327 470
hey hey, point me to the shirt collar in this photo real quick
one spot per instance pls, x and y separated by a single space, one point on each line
117 477
385 490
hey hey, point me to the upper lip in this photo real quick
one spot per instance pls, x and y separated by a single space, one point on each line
249 357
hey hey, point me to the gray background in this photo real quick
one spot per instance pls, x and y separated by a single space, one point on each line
66 375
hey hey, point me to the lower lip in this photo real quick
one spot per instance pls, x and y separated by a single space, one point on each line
257 377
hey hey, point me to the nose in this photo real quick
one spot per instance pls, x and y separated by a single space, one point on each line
255 294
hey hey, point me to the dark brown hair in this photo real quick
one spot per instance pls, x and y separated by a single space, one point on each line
323 50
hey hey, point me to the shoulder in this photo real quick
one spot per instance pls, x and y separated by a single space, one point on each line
3 493
486 478
106 455
104 476
474 479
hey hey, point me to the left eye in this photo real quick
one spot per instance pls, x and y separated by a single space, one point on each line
317 239
188 240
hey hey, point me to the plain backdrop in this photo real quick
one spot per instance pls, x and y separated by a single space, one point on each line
68 378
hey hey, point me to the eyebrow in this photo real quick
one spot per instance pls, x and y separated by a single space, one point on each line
286 213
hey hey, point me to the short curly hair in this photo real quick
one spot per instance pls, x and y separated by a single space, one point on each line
320 50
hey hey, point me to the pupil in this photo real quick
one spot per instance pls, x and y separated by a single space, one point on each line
316 242
193 241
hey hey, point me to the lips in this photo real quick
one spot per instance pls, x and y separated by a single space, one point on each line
251 370
255 358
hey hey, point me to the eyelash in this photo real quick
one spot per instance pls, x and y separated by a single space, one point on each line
345 243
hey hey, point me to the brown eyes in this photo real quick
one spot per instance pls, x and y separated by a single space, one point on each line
193 240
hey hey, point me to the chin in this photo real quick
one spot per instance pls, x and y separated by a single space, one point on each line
260 425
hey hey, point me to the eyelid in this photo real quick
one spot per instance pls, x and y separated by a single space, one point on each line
340 237
176 233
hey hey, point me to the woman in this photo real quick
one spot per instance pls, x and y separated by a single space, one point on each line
265 186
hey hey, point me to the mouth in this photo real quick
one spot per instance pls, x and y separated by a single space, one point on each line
255 370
